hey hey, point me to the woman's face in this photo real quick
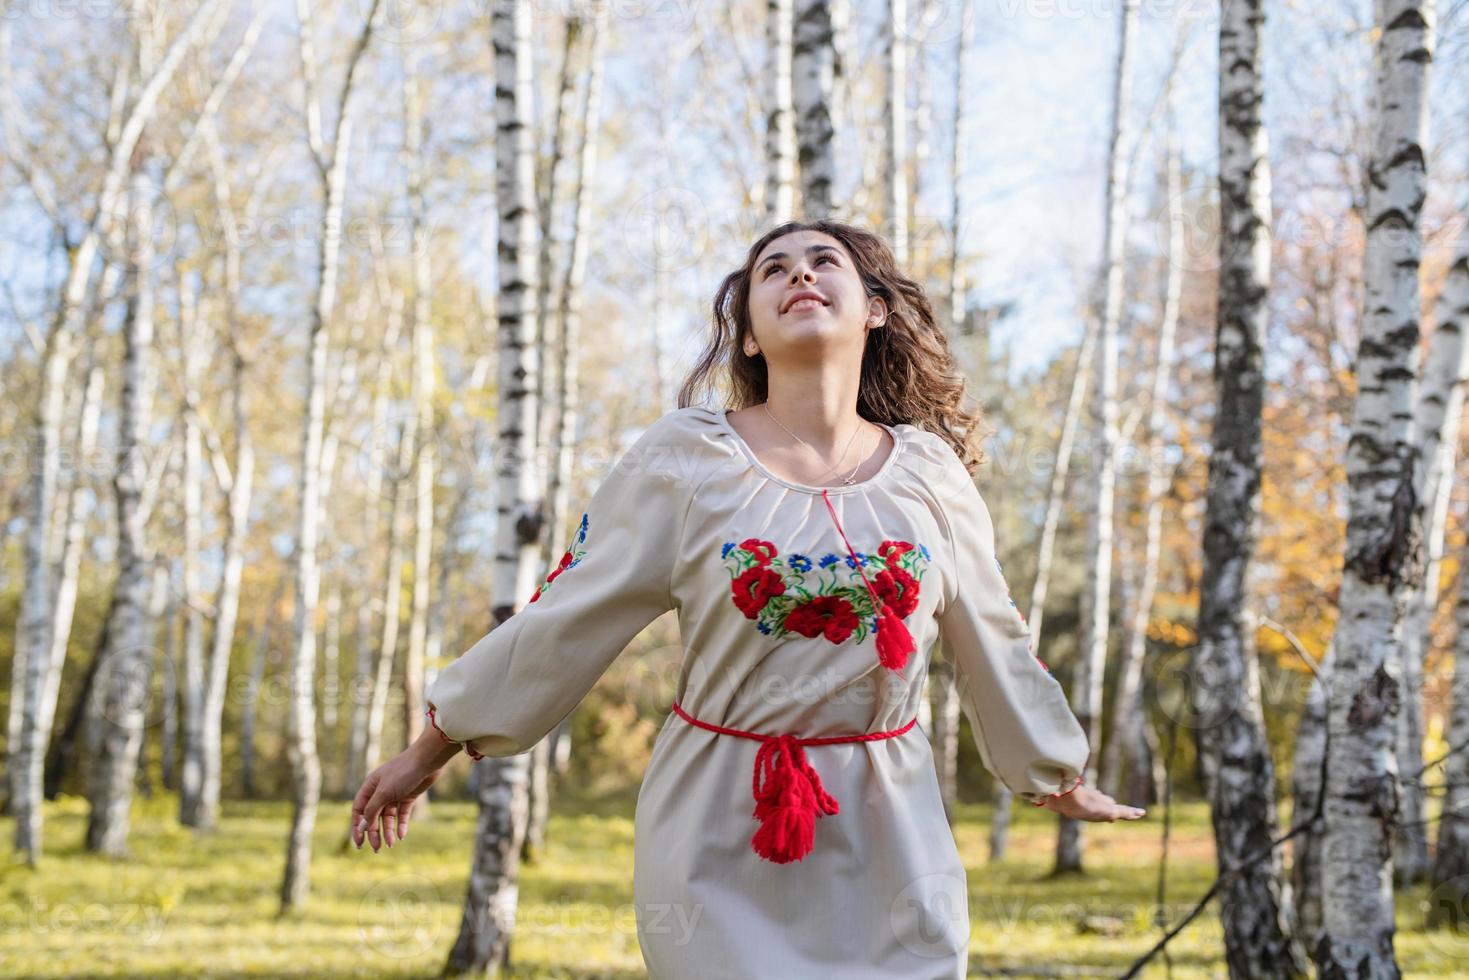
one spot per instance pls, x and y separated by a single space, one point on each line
808 262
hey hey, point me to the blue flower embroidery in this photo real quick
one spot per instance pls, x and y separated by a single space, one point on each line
728 547
799 563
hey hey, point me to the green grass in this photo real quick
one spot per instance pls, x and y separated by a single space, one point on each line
202 905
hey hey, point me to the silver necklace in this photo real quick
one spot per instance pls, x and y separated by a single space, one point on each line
850 477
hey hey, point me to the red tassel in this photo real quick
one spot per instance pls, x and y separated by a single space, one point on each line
894 642
789 802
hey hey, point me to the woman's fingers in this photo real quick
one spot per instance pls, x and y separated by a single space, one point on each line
359 808
390 823
404 809
365 808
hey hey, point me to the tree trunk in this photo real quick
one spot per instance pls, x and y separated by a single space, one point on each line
1226 716
1384 541
128 655
1451 858
36 617
1306 781
1128 710
1086 685
301 711
813 74
491 899
1440 408
195 695
780 118
895 117
1449 882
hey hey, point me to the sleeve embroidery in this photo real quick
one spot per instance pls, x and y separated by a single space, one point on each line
570 559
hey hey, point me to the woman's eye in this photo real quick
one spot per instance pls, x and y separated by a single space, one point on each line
776 265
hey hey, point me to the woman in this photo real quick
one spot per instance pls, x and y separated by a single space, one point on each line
816 543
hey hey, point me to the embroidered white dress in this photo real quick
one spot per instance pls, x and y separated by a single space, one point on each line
781 630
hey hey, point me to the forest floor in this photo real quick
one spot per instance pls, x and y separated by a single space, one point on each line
190 905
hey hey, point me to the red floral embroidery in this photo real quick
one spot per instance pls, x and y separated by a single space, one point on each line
828 615
826 596
898 589
754 588
570 559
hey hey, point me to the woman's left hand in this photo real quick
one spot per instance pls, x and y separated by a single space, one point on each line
1086 803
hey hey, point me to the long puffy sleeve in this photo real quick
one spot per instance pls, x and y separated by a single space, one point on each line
1027 735
519 680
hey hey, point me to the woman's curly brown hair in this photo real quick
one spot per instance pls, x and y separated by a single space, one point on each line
908 371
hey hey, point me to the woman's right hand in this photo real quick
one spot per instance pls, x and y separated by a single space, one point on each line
381 809
1086 803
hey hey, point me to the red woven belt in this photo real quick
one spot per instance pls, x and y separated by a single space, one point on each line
791 797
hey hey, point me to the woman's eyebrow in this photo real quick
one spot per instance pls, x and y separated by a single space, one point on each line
809 249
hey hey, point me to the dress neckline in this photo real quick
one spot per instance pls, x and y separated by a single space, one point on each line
722 414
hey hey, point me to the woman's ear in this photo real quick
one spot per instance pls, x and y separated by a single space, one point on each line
877 311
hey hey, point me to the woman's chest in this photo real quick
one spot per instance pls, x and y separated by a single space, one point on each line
805 569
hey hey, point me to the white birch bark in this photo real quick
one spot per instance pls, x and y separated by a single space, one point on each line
1449 878
945 712
1384 545
491 900
1437 420
552 327
895 119
568 391
35 627
1086 685
128 654
331 163
813 73
1227 718
1128 708
425 432
780 113
192 341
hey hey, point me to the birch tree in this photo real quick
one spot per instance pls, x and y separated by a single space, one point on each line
234 474
814 75
895 117
1449 878
35 628
331 167
1437 419
1384 548
1086 687
945 711
780 119
551 253
490 902
568 390
1129 730
128 652
424 445
1227 719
